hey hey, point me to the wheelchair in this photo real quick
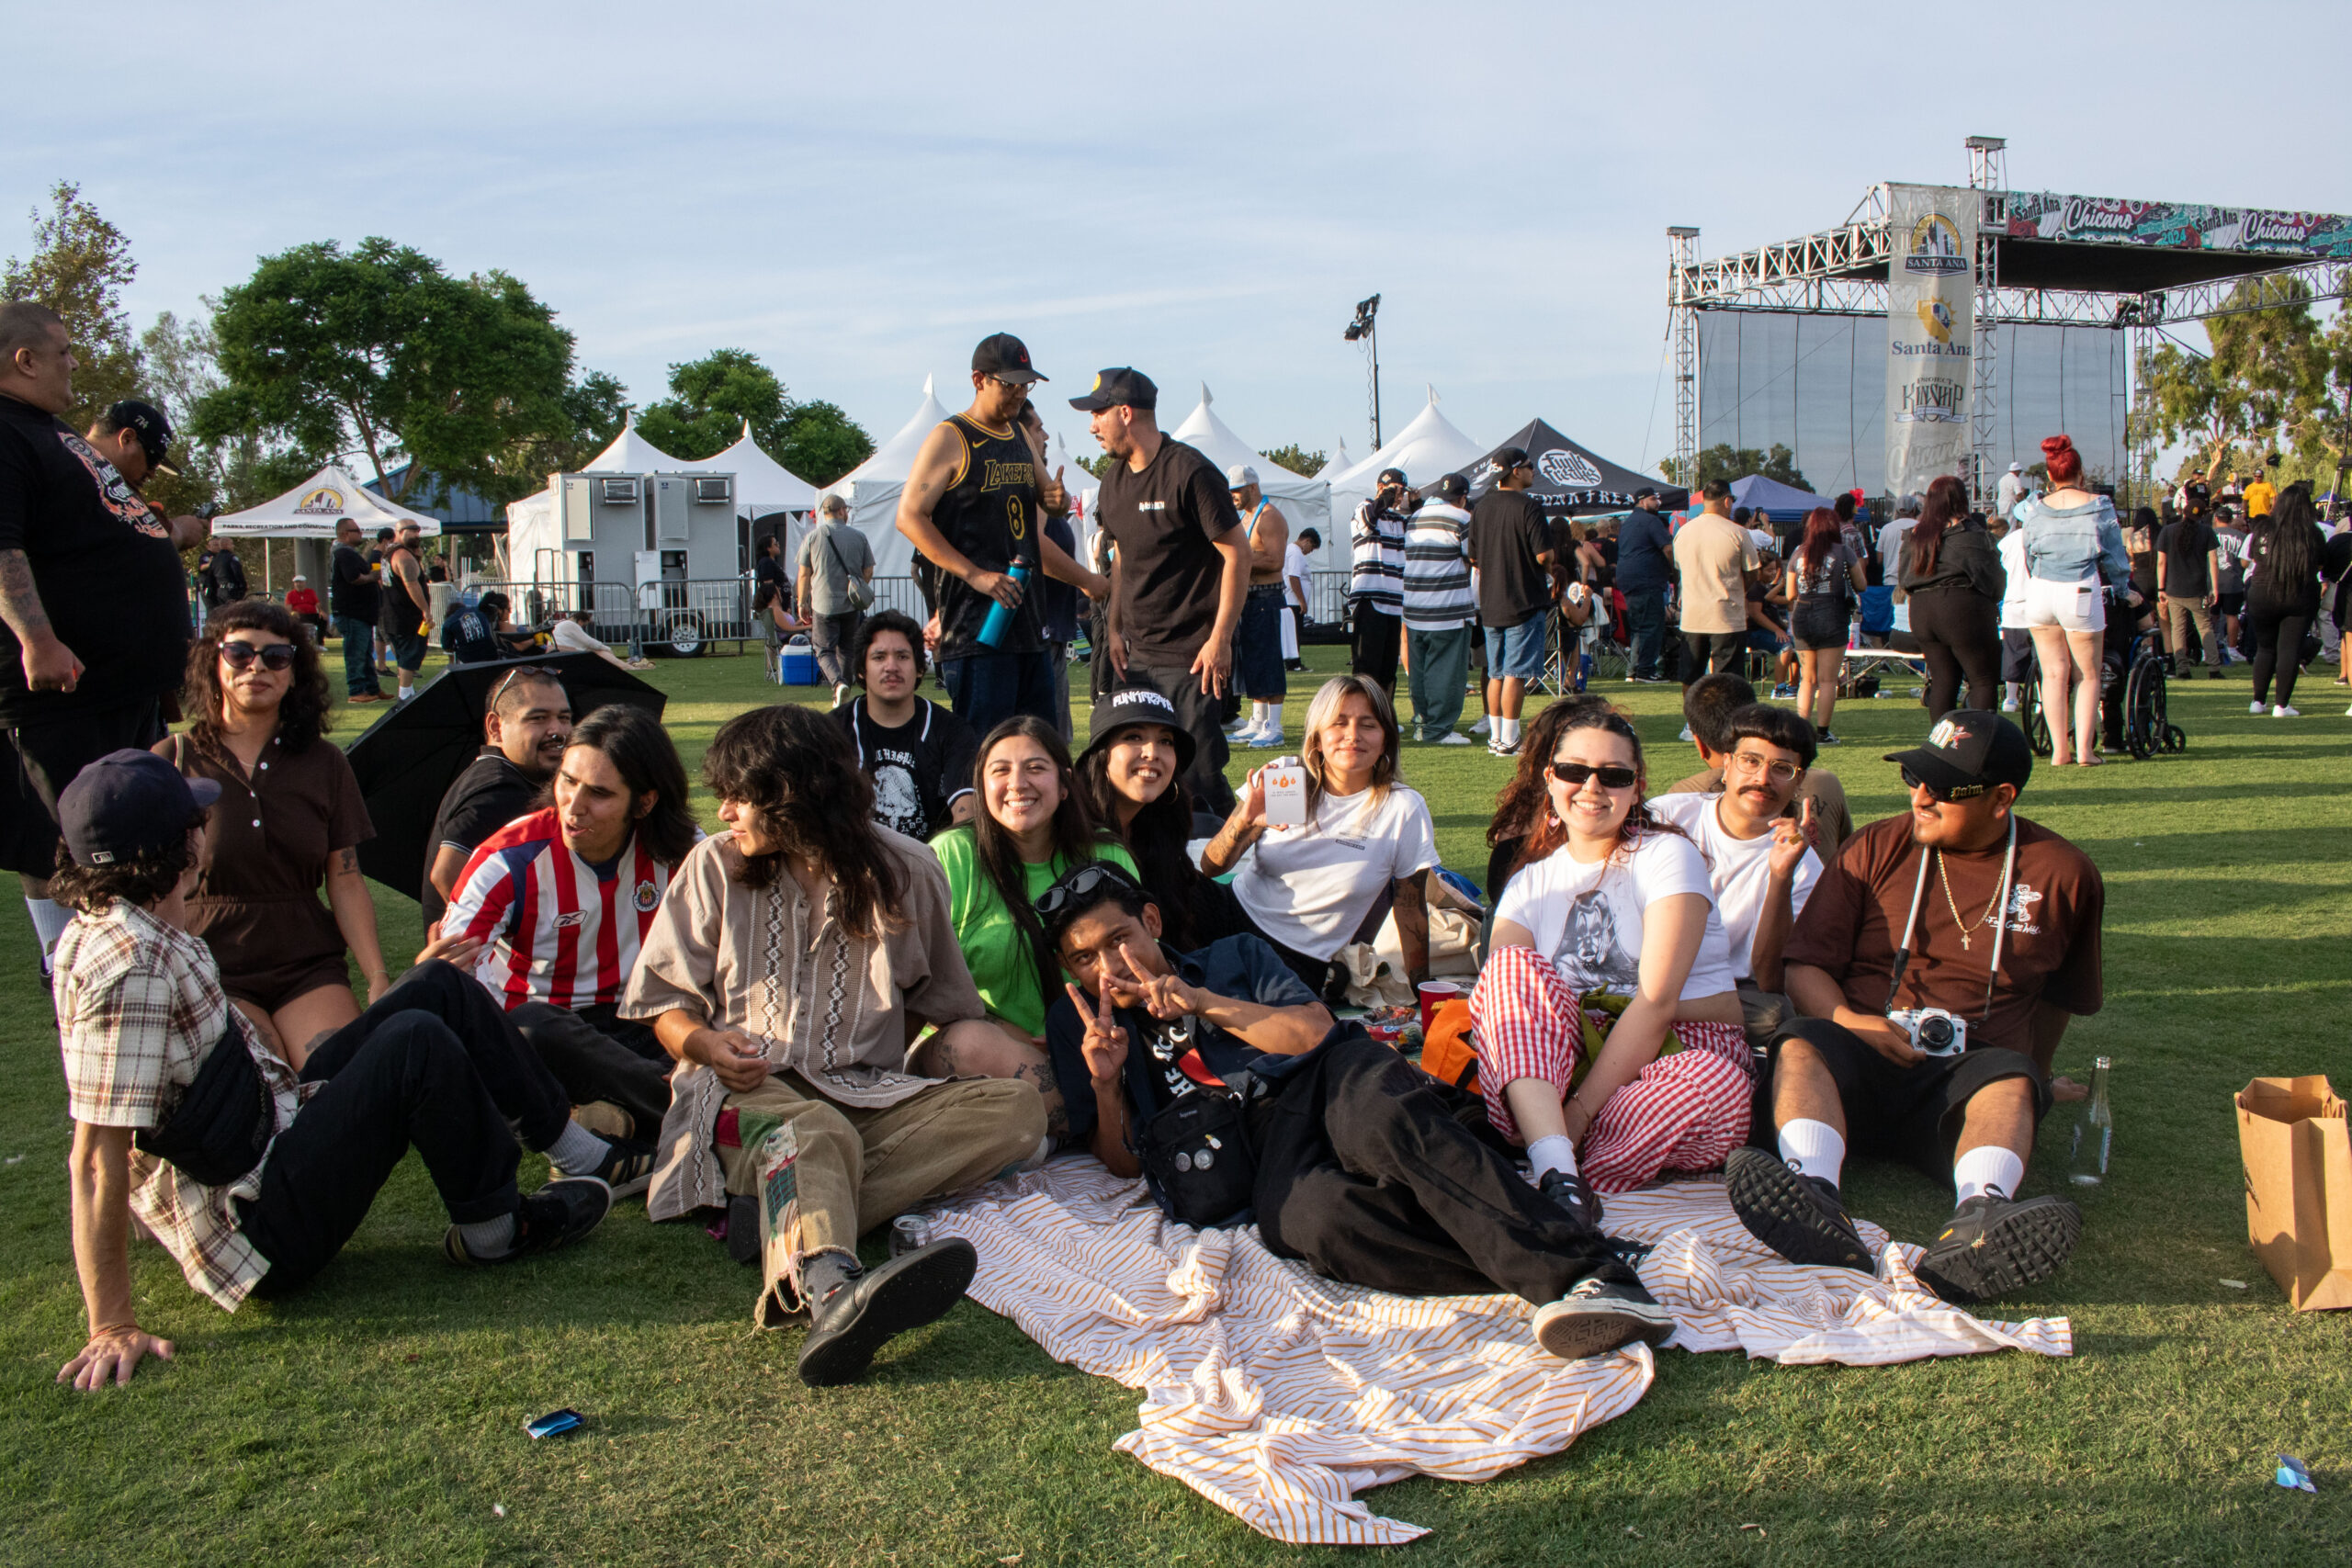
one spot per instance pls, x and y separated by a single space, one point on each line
2134 719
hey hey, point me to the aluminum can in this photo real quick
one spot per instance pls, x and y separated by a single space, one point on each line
908 1233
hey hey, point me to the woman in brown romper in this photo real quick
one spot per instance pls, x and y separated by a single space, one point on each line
288 819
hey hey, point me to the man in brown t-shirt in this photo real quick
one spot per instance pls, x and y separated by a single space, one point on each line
1962 905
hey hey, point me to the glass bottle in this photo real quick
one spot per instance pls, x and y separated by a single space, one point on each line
2094 1133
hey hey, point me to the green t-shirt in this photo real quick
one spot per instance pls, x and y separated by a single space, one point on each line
993 949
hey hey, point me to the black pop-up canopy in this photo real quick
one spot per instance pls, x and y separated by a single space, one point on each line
1570 480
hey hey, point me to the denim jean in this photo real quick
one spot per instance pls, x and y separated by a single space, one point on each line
1646 627
358 656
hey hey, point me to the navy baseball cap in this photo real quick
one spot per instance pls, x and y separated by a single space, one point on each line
1006 358
128 801
1453 486
1119 385
1113 711
1970 747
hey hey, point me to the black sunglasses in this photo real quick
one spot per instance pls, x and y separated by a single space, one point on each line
1081 882
1956 791
523 672
273 655
1611 775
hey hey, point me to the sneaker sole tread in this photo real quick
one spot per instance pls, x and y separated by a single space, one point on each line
1780 1210
1574 1333
2024 1246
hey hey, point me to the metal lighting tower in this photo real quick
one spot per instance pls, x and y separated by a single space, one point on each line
1361 329
1683 326
1988 176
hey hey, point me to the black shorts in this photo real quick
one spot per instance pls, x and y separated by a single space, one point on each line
1910 1113
49 751
2229 603
1708 653
1819 624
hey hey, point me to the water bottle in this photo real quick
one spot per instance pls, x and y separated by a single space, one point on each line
2094 1133
1000 614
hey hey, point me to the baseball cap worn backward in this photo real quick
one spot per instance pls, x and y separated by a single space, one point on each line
1510 458
1970 745
1120 385
128 801
1241 476
146 422
1006 358
1115 711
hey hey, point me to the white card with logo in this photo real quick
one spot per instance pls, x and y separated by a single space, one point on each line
1286 793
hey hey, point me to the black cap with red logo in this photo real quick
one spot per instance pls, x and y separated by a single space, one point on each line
1006 358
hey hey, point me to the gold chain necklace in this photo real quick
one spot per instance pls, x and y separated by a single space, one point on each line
1957 918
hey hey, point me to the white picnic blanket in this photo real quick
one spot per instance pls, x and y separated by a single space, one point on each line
1279 1396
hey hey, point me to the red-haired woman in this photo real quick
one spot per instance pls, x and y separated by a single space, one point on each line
1824 580
1953 580
2073 552
1608 1024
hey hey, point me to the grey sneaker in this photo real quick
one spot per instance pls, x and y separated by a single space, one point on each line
1597 1316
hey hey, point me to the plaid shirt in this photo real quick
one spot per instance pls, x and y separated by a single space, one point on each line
139 1008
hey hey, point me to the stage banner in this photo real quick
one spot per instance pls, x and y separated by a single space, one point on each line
1931 323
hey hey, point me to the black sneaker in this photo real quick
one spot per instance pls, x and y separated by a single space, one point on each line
858 1318
1995 1246
1571 1192
556 1215
1597 1316
627 1167
1645 680
1800 1217
1827 739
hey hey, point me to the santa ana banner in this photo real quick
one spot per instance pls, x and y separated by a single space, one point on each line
1931 317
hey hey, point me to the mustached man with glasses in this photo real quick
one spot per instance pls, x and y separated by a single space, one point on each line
1219 1076
1935 968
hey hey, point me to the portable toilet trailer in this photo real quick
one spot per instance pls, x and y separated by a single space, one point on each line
656 558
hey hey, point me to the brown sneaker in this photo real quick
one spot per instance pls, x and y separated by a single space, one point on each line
369 698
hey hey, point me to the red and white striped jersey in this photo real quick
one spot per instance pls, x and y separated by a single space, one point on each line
553 930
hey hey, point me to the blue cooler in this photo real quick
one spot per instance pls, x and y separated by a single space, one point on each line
800 663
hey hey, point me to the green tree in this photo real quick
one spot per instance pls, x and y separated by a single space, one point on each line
712 398
1098 465
2268 372
595 409
79 268
380 352
1296 458
1726 462
822 443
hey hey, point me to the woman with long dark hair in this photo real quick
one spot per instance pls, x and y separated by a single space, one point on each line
2074 553
1130 779
2283 551
1823 583
289 821
1608 1022
1953 580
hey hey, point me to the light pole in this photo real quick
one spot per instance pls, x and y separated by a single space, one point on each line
1362 328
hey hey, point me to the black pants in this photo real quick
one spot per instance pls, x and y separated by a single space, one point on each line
1708 653
52 749
1198 712
437 1066
1959 631
2277 645
1373 640
1370 1172
596 1053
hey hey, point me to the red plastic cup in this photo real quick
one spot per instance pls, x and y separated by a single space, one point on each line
1435 994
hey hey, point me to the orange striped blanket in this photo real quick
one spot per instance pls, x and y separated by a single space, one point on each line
1278 1396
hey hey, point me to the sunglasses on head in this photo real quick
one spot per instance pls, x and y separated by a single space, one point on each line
1611 774
523 672
273 655
1081 882
1956 791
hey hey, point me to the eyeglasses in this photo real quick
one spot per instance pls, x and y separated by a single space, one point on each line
1749 764
1081 882
1956 791
523 672
1610 775
273 655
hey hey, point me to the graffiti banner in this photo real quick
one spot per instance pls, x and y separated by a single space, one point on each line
2046 215
1931 317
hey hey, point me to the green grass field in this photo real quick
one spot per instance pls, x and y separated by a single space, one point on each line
378 1417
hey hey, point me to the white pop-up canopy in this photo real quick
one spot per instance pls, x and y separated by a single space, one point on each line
312 509
633 454
1427 449
1336 464
872 488
1304 503
762 484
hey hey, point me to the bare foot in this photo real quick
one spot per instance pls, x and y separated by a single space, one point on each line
2064 1088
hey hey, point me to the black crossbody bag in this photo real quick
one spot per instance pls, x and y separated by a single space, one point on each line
223 1123
1196 1152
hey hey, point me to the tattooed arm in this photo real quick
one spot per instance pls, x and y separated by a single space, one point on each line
50 665
355 916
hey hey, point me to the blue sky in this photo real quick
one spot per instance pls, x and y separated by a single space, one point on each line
859 193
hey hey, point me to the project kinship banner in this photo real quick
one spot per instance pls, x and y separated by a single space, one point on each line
1931 323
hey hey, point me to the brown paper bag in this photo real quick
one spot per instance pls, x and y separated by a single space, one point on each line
2298 1156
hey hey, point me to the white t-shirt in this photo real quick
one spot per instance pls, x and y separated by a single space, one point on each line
1293 566
1588 918
1310 887
1740 870
2011 549
572 638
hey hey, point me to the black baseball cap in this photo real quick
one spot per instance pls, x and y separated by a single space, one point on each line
1389 474
1453 486
128 801
1113 711
1648 492
1510 458
1970 746
1006 358
147 422
1116 386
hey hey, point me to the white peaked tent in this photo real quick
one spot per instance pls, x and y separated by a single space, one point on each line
312 509
1304 503
872 488
1336 464
633 454
762 484
1427 449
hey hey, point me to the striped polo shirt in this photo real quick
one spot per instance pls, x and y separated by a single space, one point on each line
1437 570
1378 539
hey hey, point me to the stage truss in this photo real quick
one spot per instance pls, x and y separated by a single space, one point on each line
1842 272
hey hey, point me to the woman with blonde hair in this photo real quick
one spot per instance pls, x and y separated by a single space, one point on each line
1367 847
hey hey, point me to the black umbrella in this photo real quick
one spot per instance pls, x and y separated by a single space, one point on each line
409 758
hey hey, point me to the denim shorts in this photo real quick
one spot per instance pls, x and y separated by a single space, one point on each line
1516 652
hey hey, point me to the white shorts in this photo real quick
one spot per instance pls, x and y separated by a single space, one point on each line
2072 606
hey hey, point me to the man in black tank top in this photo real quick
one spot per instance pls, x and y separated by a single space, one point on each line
975 507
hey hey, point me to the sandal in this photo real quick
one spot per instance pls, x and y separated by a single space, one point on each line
2091 760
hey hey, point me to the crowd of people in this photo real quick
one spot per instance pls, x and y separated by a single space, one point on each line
930 947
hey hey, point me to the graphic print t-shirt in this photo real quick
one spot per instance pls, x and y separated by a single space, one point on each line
917 769
1588 918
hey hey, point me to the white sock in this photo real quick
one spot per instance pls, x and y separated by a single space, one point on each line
50 920
1257 715
1547 1154
577 1151
1273 718
1507 732
1991 1169
1814 1148
2016 691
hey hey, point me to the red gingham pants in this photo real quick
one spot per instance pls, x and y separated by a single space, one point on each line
1685 1111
